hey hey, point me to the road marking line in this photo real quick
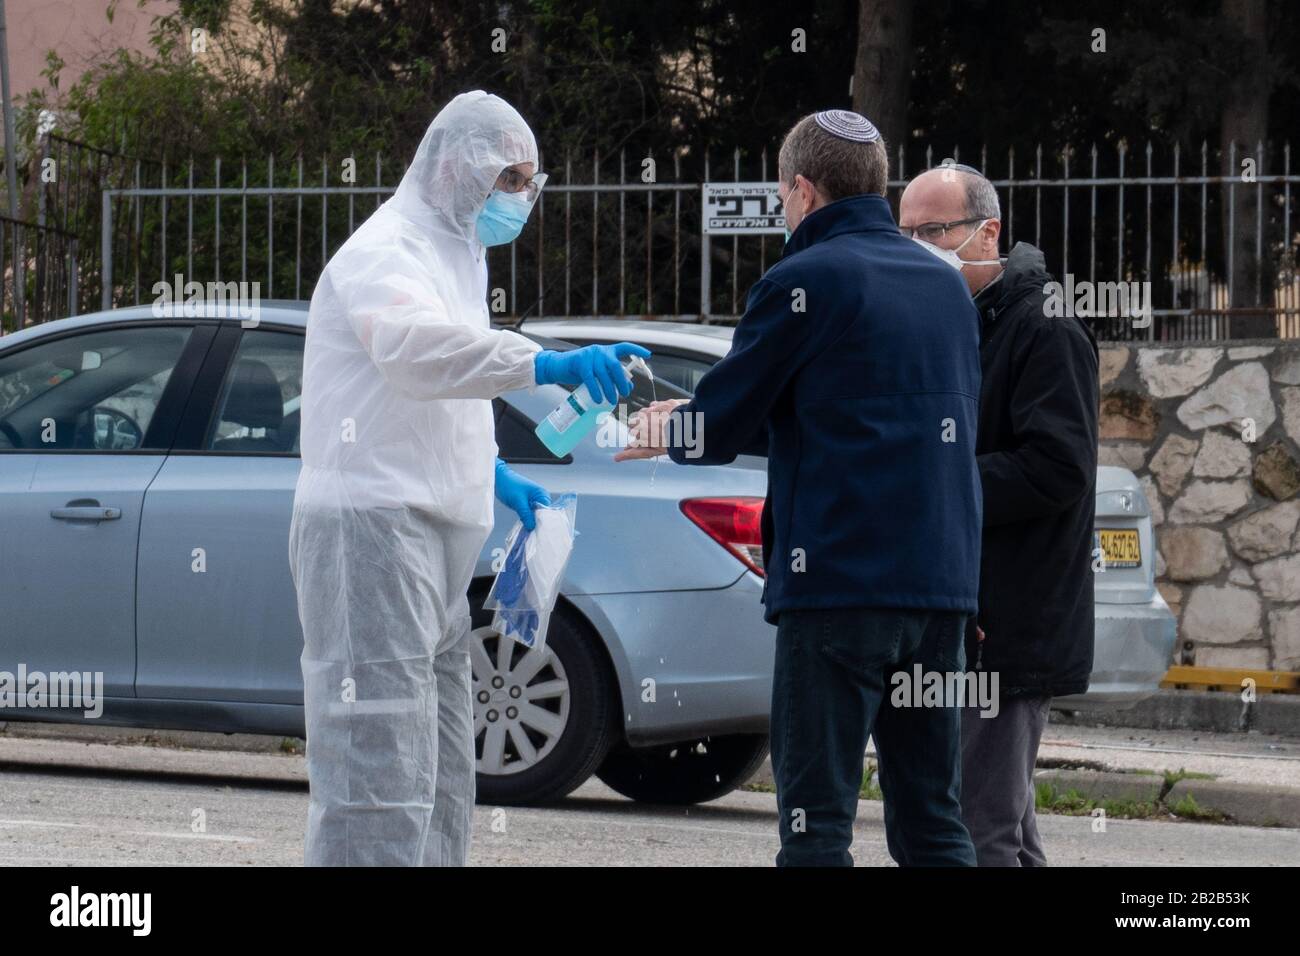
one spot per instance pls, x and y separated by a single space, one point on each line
580 817
172 835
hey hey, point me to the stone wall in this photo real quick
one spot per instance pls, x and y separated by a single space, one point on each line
1213 432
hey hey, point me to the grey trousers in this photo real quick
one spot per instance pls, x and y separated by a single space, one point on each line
997 781
386 685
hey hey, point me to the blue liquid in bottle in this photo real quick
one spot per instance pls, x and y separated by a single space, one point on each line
573 418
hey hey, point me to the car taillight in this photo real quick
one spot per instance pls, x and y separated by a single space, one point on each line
735 523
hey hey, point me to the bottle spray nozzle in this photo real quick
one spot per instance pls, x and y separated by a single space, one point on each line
635 363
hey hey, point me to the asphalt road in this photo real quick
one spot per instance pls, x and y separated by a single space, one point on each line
71 802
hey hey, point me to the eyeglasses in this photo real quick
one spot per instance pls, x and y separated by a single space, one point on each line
513 181
932 231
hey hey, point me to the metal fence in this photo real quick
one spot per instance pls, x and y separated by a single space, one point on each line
580 253
38 273
1217 247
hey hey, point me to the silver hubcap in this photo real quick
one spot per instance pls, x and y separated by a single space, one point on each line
521 703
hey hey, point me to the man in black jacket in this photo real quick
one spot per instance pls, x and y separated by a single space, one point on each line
1037 457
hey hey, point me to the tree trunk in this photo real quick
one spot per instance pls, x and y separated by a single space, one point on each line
882 69
1245 122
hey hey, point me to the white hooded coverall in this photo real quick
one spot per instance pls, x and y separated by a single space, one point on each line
394 501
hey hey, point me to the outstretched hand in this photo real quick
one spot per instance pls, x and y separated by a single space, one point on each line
648 433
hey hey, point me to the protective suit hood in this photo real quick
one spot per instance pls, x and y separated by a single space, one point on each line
466 147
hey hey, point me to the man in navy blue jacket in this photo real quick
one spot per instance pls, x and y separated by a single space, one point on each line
855 370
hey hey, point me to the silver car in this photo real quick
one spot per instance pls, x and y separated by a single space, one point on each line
147 469
1135 630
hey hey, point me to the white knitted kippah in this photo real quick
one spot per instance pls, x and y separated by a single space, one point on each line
847 125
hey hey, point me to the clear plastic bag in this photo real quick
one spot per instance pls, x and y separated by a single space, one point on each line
528 584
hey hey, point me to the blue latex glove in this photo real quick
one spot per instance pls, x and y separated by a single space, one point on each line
519 494
599 367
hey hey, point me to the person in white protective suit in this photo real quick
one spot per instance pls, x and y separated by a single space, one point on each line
394 500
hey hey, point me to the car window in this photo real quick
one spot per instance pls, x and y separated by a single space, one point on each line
644 391
516 438
516 434
685 373
260 410
679 371
97 391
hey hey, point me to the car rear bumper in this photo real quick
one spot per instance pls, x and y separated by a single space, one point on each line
689 663
1134 648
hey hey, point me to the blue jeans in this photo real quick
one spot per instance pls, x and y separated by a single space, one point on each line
833 671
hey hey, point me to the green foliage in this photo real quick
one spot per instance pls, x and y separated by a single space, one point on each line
322 77
1189 809
343 78
1073 803
870 789
281 79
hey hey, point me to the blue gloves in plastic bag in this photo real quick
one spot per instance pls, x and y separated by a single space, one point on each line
528 584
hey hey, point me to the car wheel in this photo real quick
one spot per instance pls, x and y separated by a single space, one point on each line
543 719
692 771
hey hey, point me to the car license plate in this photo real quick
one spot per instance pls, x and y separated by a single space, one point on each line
1120 547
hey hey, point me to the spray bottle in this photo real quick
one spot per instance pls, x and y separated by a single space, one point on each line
574 417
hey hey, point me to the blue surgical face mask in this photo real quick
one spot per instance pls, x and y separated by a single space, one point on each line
502 218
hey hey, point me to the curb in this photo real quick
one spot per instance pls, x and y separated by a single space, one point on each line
1105 784
1170 709
1245 804
133 736
1240 803
1252 804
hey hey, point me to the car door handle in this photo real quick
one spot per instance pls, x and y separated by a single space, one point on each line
86 513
